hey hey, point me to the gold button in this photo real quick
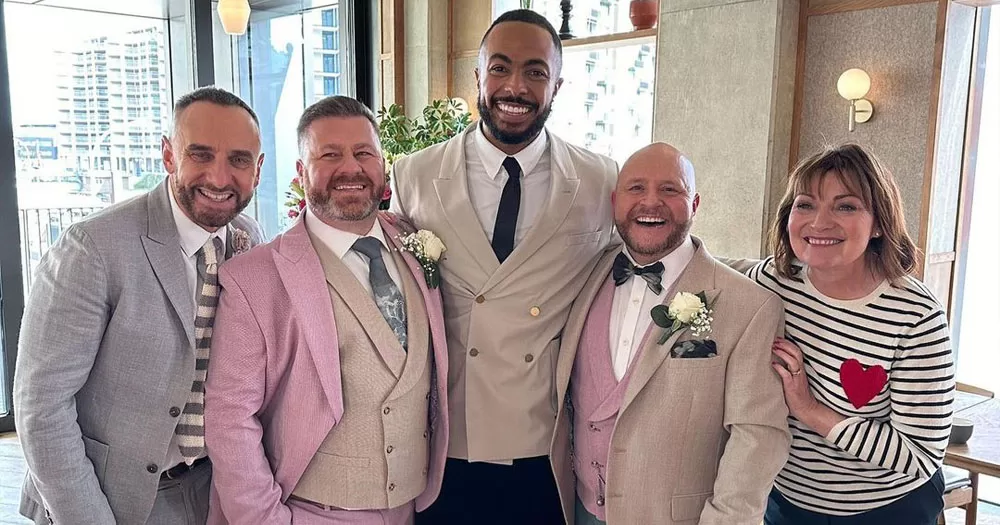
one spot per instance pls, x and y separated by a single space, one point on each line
480 299
389 449
535 311
474 352
529 358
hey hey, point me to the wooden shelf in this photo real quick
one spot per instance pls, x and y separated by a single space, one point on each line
629 38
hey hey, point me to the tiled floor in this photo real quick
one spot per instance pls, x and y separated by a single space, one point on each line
12 474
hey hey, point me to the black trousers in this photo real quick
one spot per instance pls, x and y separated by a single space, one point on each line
485 493
919 507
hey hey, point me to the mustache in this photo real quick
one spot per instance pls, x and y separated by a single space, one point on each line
515 100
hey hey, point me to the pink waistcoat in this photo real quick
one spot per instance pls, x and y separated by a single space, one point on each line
596 396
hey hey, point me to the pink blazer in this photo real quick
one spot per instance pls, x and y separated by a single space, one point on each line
274 384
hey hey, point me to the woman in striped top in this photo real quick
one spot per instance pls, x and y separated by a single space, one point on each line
867 365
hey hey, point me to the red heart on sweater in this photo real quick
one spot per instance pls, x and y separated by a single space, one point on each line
861 385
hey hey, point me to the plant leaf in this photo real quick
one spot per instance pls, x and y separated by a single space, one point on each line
660 315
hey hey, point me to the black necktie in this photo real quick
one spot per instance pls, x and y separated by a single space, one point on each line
510 203
623 269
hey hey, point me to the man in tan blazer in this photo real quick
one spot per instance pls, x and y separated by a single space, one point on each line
325 407
525 216
678 428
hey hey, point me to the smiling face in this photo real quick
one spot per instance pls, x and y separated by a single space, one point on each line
518 77
213 160
829 226
343 172
655 202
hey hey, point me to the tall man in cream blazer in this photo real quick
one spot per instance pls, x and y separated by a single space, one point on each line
688 430
326 407
524 216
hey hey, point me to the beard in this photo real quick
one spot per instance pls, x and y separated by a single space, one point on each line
206 217
326 205
678 232
508 137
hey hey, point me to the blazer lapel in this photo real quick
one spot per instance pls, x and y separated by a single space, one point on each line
302 275
162 247
360 302
435 322
452 186
562 193
229 241
699 275
577 320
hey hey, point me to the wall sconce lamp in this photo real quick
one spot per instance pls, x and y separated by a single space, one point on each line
234 15
853 85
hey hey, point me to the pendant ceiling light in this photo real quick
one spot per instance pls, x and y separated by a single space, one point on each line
234 15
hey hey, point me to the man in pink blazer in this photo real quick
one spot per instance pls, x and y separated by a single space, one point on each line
326 402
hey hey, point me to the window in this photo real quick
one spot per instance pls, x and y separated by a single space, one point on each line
613 85
285 63
330 40
615 94
588 18
330 18
84 176
331 86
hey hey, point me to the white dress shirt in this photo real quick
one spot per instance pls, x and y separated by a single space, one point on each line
192 238
340 242
633 300
487 177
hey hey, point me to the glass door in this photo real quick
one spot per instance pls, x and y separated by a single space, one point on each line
11 300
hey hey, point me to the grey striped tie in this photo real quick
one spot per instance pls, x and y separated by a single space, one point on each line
191 427
388 298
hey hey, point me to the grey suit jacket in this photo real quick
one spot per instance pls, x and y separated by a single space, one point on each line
106 352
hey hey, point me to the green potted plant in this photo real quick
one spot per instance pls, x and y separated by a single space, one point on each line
400 135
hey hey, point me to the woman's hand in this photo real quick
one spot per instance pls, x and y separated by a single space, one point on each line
801 403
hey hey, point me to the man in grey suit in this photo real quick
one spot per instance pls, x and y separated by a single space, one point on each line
108 387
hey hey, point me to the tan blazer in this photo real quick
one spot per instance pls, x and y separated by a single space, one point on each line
697 440
504 321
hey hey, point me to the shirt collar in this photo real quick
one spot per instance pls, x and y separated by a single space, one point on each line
492 158
338 241
673 263
192 236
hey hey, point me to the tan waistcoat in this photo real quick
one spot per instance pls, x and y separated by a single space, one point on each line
376 457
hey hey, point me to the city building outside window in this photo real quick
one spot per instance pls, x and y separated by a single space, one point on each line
87 126
613 84
284 63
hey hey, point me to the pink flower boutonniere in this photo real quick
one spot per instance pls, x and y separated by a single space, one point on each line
241 241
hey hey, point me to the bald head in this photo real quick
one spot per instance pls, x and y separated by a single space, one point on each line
655 201
660 156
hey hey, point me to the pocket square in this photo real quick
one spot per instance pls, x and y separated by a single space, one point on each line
693 349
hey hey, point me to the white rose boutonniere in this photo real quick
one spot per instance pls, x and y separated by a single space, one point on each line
427 248
241 241
686 310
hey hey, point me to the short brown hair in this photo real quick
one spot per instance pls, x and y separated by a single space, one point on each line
215 95
332 106
892 254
